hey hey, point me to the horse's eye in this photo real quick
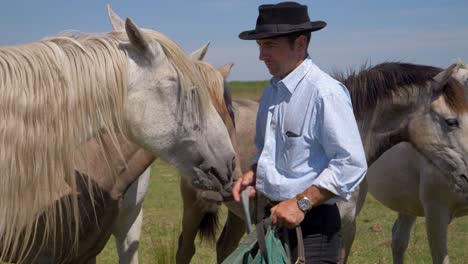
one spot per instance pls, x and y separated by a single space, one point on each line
452 123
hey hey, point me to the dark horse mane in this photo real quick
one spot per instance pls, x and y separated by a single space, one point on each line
374 85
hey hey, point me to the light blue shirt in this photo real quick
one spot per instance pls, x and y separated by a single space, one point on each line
306 134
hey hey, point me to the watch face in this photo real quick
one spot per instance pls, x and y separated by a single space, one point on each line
304 204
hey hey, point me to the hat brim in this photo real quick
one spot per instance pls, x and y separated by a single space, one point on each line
254 35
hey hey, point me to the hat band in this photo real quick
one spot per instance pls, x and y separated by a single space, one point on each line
279 28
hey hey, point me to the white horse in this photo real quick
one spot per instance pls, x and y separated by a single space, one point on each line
61 91
419 188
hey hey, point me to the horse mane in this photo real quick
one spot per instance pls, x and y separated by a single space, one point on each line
221 98
57 93
228 101
379 84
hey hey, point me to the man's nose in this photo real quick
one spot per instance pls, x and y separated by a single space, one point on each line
262 55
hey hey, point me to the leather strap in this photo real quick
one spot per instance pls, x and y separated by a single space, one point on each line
261 227
245 205
300 246
286 244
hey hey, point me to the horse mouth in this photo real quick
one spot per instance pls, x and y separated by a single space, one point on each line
210 196
208 183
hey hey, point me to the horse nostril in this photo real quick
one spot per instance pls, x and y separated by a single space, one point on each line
463 176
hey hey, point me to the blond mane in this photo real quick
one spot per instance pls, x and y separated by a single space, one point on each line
56 93
215 83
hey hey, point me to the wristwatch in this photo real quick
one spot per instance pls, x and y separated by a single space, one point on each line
303 203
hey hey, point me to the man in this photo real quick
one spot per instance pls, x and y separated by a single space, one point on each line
310 152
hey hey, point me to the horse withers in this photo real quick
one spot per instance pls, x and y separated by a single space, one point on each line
61 91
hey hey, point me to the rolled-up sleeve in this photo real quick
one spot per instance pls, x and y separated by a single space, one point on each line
337 132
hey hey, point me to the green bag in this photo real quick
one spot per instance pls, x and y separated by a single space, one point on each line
259 248
262 245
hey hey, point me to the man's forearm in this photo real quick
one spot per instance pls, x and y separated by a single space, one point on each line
317 195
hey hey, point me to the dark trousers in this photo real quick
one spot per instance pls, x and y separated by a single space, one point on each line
321 234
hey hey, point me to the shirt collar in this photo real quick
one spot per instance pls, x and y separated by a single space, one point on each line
291 81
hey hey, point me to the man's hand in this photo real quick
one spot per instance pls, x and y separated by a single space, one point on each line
287 214
247 179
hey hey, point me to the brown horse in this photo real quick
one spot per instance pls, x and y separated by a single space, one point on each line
198 215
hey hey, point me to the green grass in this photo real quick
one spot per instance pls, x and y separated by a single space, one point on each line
252 90
163 212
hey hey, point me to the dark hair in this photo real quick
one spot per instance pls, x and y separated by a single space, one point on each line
292 37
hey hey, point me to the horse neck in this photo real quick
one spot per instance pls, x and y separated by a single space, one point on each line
107 162
375 144
387 124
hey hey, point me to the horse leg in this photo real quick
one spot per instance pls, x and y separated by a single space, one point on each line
127 228
191 220
437 221
232 233
127 233
400 236
349 211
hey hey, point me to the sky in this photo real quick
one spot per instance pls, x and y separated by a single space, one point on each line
431 32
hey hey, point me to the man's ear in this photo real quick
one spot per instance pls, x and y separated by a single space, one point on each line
301 43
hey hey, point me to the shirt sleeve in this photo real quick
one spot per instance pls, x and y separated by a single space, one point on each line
337 132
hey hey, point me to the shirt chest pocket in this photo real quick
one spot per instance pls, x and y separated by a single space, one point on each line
293 156
294 151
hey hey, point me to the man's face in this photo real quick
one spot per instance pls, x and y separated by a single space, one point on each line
280 56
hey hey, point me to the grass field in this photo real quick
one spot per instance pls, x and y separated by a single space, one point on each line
163 212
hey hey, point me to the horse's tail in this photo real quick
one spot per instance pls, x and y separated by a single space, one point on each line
208 226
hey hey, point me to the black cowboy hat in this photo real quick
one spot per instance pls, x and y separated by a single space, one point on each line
281 19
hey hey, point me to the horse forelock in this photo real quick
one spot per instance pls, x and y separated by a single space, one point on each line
382 83
55 94
454 95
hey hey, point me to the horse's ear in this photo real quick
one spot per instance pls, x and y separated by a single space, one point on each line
442 78
225 70
117 23
137 38
199 54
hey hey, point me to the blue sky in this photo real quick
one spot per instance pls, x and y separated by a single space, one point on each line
433 32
